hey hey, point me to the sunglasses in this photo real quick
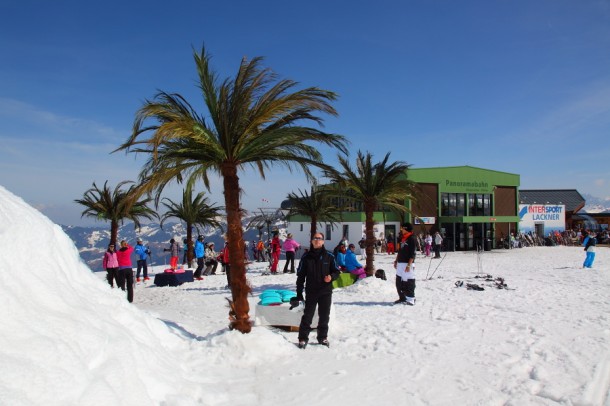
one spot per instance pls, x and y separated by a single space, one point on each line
317 239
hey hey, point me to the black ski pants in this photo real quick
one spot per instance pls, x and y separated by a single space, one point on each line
125 277
405 288
142 266
323 303
199 267
111 275
289 259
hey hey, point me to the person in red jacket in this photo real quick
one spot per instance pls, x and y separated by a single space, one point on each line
224 258
125 273
276 249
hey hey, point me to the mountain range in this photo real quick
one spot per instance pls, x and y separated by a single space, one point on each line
596 205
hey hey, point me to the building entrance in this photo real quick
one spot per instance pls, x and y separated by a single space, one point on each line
467 236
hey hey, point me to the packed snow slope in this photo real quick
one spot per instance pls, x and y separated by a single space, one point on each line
67 338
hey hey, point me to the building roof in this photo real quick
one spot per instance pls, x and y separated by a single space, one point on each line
572 200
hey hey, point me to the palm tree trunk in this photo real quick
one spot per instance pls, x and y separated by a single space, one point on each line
189 244
114 233
313 229
369 225
239 285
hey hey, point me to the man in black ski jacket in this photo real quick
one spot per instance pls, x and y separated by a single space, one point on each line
317 269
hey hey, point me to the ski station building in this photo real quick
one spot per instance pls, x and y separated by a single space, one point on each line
473 208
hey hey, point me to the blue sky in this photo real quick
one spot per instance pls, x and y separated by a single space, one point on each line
516 86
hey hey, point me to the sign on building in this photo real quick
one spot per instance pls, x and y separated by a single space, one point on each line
548 217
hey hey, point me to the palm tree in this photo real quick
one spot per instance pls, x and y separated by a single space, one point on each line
116 205
255 120
317 205
194 212
375 185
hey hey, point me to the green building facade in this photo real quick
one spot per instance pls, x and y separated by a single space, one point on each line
473 208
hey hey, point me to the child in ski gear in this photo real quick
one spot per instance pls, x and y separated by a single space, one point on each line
200 255
111 265
125 273
290 246
351 263
142 253
405 270
317 269
589 242
173 252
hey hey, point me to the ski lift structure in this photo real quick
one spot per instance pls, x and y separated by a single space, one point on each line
264 218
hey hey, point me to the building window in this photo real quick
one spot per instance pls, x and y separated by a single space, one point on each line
301 227
328 228
346 231
480 205
453 204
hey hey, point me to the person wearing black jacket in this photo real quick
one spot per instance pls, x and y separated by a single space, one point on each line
405 270
317 269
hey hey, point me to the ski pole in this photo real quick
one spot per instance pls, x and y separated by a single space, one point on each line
429 264
439 264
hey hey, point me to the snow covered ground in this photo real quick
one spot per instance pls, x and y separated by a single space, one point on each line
66 338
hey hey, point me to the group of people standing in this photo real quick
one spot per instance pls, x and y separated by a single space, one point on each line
206 255
118 267
273 251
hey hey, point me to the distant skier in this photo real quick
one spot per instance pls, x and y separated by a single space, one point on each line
142 253
589 242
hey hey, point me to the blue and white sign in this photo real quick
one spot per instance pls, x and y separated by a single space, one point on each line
425 220
552 216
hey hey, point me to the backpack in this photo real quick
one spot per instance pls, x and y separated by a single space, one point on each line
380 273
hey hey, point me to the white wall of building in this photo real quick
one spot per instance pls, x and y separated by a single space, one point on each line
355 231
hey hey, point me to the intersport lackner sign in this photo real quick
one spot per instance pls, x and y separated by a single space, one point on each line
552 216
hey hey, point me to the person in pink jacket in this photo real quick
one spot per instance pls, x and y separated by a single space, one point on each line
290 246
111 265
125 273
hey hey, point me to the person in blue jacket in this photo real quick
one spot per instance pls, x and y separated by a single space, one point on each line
589 242
200 255
351 263
340 257
142 252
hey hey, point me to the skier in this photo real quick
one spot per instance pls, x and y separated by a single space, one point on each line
143 253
